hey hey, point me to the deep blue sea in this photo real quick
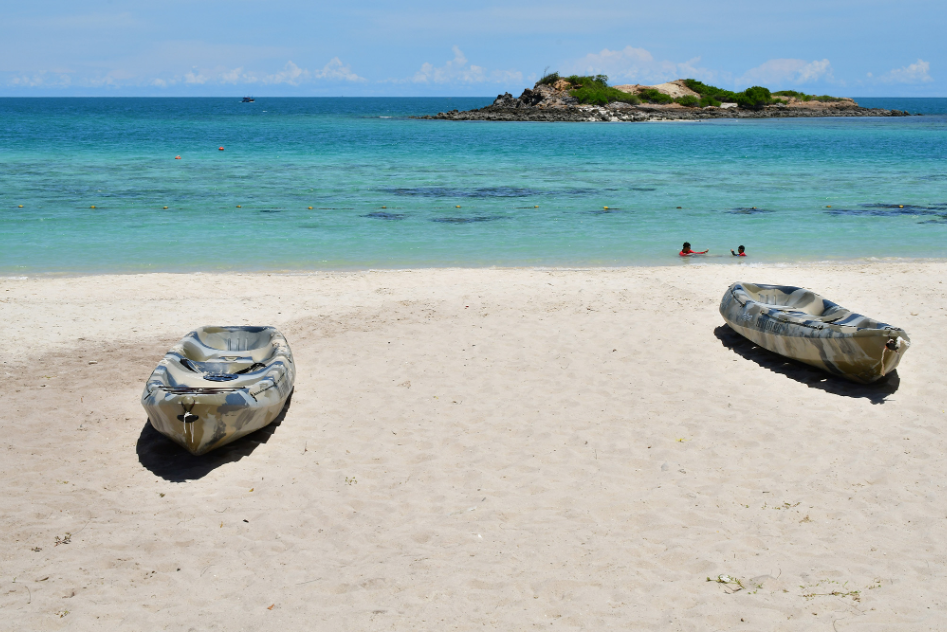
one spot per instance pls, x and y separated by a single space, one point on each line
390 191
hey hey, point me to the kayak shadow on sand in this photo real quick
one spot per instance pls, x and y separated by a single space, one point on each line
812 377
173 463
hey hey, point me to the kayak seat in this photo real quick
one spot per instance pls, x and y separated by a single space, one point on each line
833 315
829 316
219 344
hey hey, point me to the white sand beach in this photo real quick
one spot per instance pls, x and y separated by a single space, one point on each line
475 449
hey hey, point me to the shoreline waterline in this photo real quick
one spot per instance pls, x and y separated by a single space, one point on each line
56 305
694 261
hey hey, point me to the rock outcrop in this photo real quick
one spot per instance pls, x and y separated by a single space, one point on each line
554 103
540 96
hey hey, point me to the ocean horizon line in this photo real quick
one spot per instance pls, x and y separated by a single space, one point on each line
240 95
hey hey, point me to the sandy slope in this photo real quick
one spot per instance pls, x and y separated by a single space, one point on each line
475 449
676 89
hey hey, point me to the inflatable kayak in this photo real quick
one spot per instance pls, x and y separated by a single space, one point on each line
218 384
801 325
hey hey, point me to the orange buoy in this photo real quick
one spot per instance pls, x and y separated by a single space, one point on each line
238 206
537 206
165 207
605 207
21 206
310 208
177 157
220 149
93 206
828 206
384 207
900 205
458 206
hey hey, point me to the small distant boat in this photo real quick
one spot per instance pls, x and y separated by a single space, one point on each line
248 100
218 384
800 324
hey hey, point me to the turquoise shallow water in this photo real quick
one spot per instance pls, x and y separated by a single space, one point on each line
528 193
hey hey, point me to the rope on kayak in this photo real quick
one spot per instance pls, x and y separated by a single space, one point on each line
892 345
188 416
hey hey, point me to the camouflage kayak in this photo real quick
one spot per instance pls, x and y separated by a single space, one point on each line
218 384
801 325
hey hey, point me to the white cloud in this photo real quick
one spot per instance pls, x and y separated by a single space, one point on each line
335 69
636 65
113 79
290 74
918 72
193 78
42 79
458 71
237 75
689 70
27 81
781 71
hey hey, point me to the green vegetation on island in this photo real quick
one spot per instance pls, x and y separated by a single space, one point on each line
594 90
806 97
753 98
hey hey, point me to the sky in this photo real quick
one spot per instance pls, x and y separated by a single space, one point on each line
428 48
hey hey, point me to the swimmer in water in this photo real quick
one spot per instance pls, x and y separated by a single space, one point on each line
686 250
741 252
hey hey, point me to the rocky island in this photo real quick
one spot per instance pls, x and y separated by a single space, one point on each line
574 99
